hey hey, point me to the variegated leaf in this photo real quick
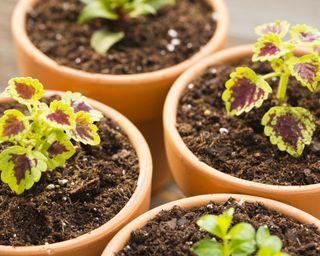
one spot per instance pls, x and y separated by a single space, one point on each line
244 91
268 48
20 168
60 115
279 28
13 125
306 70
305 34
85 131
290 128
25 90
57 148
80 103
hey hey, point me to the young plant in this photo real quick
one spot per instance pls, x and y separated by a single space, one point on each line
239 240
120 11
42 139
290 128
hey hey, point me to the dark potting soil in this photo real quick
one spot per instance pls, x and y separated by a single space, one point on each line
173 232
93 186
237 145
151 43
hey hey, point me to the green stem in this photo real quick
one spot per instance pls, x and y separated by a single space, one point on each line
274 74
226 246
282 89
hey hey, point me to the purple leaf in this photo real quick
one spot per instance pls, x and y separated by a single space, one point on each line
56 148
279 28
59 117
12 124
290 128
22 164
244 91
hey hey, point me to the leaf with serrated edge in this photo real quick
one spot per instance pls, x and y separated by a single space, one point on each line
279 28
244 91
305 34
25 90
268 48
85 131
13 125
290 128
60 115
57 148
80 103
102 40
306 70
20 168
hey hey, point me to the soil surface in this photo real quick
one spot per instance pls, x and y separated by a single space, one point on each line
237 145
151 43
173 232
93 186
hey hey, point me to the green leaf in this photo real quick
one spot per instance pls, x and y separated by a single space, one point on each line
96 9
146 7
242 237
290 128
265 240
306 70
13 125
303 34
279 28
102 40
60 115
57 148
85 131
268 48
21 168
244 91
207 248
25 90
80 103
217 225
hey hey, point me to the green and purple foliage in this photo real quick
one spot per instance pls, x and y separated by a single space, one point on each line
42 139
240 240
117 11
290 128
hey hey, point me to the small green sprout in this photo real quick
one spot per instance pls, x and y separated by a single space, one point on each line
118 11
239 240
290 128
42 140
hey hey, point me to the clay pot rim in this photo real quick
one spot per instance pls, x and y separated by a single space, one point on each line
119 240
169 123
19 32
145 174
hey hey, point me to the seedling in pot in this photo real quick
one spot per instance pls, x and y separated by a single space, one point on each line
42 139
240 240
290 128
120 11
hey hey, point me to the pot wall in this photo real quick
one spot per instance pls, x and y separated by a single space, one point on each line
195 177
93 243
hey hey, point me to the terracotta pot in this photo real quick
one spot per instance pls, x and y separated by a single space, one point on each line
119 241
94 242
139 97
195 177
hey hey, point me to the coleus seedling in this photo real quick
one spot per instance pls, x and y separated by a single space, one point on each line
41 140
240 240
290 128
118 11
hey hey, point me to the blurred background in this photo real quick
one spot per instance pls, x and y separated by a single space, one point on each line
244 16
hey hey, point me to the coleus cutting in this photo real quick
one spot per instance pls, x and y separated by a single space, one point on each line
41 140
119 11
290 128
240 240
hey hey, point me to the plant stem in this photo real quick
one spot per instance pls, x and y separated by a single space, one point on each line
226 246
282 89
267 76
